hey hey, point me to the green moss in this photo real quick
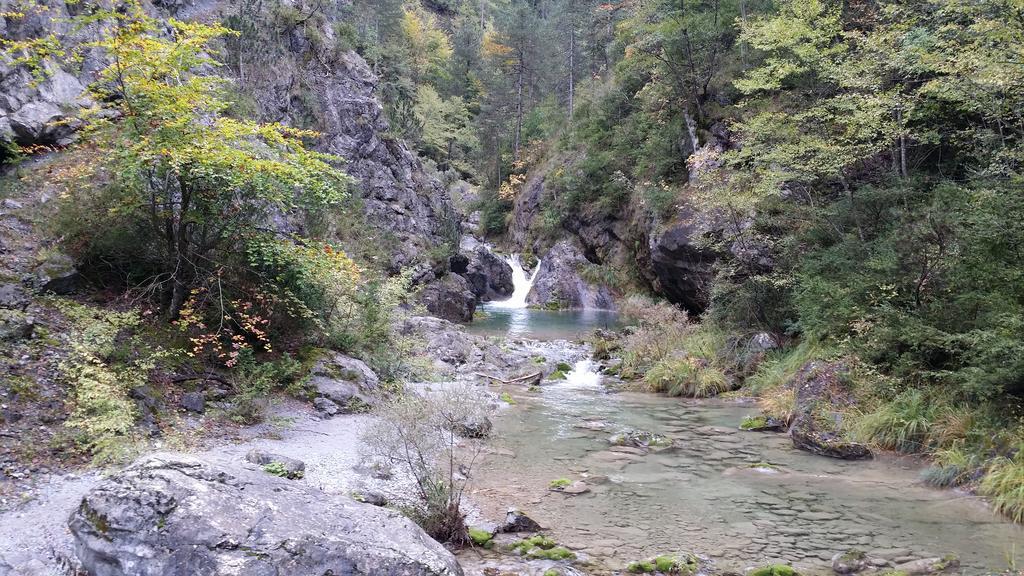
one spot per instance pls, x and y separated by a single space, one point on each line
640 567
563 367
539 541
533 388
666 564
552 572
556 553
754 422
481 537
775 570
559 483
506 398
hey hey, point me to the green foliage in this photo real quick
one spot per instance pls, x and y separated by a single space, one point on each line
279 469
905 424
105 360
254 380
542 547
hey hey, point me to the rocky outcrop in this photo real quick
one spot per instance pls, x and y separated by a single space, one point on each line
342 384
407 207
178 515
453 350
450 297
679 262
822 391
489 276
560 285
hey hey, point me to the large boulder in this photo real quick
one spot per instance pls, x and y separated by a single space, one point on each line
449 297
559 284
178 515
822 392
680 265
342 384
456 352
489 276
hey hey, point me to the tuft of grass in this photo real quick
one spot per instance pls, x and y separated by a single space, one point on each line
780 367
686 376
1004 485
905 424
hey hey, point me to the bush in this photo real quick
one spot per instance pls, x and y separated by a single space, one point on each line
418 433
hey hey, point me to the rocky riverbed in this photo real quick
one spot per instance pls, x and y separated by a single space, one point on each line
611 477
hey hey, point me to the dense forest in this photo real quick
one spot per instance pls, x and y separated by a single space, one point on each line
777 195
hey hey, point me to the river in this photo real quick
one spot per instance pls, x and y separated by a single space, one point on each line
740 498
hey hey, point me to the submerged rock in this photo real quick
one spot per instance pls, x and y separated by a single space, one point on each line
640 439
177 515
926 566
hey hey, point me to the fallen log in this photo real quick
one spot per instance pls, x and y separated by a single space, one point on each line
528 380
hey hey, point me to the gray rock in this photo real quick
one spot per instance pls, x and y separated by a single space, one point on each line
475 427
291 468
57 274
559 284
822 387
455 351
12 296
343 384
177 515
925 566
517 521
450 298
489 276
36 122
680 264
15 325
849 562
193 402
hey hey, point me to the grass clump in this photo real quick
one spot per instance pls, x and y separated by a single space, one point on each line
905 424
754 422
688 376
559 483
279 469
1004 484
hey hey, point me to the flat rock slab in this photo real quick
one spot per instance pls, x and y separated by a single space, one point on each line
170 514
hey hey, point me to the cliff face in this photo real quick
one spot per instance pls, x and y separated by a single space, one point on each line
290 79
670 254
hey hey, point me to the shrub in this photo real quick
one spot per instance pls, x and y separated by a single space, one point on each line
418 433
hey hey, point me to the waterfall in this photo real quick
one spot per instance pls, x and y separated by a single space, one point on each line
520 283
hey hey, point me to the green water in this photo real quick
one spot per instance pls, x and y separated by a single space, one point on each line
494 320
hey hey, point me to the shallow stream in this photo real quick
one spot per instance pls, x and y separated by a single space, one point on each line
741 498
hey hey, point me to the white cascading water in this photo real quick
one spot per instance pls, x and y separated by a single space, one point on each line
520 283
584 374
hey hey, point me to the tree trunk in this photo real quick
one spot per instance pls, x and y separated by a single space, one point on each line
519 110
